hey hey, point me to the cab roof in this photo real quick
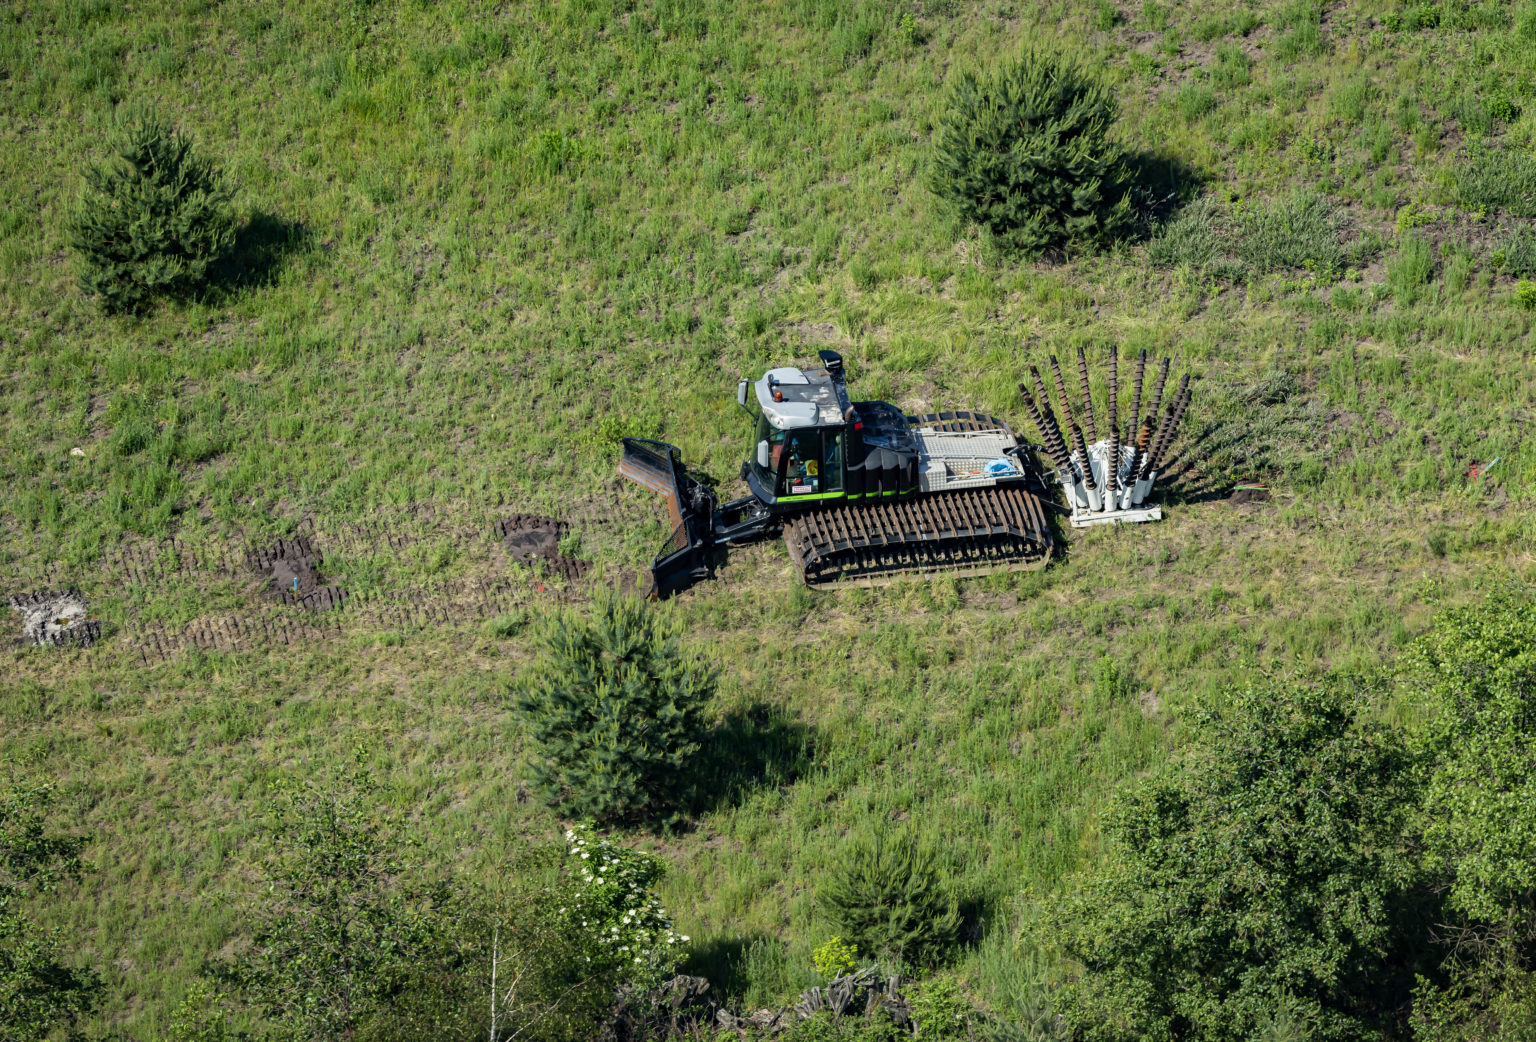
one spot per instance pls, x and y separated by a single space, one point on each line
809 398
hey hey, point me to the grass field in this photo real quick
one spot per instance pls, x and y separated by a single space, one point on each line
485 240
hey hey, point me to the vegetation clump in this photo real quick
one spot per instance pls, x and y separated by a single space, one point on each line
40 992
886 895
1026 154
155 219
613 705
1262 878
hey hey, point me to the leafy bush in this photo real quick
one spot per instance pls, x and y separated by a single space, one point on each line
40 994
1026 154
342 935
834 957
613 704
614 901
939 1009
886 896
1525 294
347 942
1474 677
1298 231
155 218
1261 879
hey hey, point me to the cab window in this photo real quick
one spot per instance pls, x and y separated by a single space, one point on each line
766 432
832 461
802 463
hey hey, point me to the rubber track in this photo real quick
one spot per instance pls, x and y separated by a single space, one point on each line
966 532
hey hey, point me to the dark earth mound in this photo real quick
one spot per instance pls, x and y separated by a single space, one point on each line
290 570
529 538
1248 495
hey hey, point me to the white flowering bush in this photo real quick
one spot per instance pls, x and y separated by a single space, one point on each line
614 903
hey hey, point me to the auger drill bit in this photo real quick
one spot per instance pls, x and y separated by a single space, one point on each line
1050 418
1082 371
1157 394
1048 432
1112 466
1165 429
1082 449
1143 440
1141 372
1180 403
1157 443
1061 393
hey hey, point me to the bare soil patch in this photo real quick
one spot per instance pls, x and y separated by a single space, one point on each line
290 571
530 539
56 619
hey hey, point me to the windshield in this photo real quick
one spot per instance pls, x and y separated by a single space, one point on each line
775 440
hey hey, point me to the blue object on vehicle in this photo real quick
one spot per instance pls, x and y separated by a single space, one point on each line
1000 468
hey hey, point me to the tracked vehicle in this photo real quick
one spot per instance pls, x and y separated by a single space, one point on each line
861 492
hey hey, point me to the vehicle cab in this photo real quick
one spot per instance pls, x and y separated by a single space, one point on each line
800 439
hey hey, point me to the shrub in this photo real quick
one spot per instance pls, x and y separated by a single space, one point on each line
886 896
40 994
155 218
614 901
1525 294
340 937
613 704
1026 154
1260 880
834 957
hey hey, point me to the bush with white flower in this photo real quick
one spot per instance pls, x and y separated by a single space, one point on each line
615 904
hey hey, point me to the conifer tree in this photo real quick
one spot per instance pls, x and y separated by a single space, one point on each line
613 705
887 898
155 218
1026 153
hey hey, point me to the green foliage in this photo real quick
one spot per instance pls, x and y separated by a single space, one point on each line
1476 671
1410 271
1474 678
614 901
939 1009
1266 869
834 957
824 1027
1517 256
41 995
886 895
155 218
1026 154
613 704
1525 294
343 932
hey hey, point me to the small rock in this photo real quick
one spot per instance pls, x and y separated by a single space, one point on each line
77 451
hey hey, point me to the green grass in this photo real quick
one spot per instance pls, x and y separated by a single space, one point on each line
500 236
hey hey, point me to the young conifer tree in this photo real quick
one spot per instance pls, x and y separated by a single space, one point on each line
1026 153
154 220
613 705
